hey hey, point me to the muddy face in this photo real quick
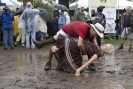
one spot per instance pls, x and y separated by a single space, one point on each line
24 69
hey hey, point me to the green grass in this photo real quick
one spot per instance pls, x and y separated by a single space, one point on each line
114 41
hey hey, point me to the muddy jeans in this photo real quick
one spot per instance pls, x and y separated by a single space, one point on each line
31 35
8 34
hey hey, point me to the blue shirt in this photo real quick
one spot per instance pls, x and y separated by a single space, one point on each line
7 19
62 20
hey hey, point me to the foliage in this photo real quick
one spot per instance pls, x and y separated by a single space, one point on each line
39 3
20 0
72 1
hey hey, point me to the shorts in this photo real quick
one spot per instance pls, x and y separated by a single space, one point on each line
67 36
41 34
124 35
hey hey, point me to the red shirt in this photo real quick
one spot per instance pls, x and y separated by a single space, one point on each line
76 29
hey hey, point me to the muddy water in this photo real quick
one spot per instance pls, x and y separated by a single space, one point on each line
24 69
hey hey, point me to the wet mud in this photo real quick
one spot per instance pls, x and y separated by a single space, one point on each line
24 69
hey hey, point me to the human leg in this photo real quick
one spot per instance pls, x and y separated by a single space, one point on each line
91 66
27 40
33 34
130 36
23 36
98 40
50 40
48 64
11 38
5 38
40 44
18 37
123 36
57 57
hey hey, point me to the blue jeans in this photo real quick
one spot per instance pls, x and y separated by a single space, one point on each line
32 34
60 27
118 31
8 37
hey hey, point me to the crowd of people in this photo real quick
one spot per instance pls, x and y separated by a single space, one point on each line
71 40
31 26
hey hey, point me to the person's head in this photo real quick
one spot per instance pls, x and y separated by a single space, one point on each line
81 10
29 5
92 11
100 9
107 49
96 29
6 8
128 9
102 6
62 12
119 16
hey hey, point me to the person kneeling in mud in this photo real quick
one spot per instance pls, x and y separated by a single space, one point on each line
79 32
69 56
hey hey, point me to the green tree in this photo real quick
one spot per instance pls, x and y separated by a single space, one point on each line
39 3
72 1
20 0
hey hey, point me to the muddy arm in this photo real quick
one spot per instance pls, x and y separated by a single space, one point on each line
93 58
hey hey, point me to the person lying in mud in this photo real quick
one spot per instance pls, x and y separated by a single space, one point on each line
69 56
78 31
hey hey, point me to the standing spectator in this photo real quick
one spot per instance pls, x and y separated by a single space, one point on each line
0 26
62 20
29 18
118 26
92 18
7 27
55 23
67 17
80 16
21 35
127 19
101 21
41 28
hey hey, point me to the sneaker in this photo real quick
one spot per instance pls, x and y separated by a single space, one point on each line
92 67
23 45
48 66
121 47
16 43
12 48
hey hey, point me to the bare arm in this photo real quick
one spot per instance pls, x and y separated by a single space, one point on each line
81 45
94 57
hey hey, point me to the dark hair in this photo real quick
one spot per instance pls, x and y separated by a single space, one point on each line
102 6
5 10
99 9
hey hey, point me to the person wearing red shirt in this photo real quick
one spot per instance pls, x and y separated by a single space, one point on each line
79 32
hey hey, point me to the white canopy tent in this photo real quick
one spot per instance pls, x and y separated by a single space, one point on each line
80 3
121 4
8 2
11 4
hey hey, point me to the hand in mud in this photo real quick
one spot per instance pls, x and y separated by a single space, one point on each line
77 72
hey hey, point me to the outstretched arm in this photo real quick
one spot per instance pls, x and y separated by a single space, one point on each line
94 57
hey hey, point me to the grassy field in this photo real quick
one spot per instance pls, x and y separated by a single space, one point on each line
114 41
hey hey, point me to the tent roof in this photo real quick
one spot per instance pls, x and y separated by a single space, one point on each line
121 4
8 2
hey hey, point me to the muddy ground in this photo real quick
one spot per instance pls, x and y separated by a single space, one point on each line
24 69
